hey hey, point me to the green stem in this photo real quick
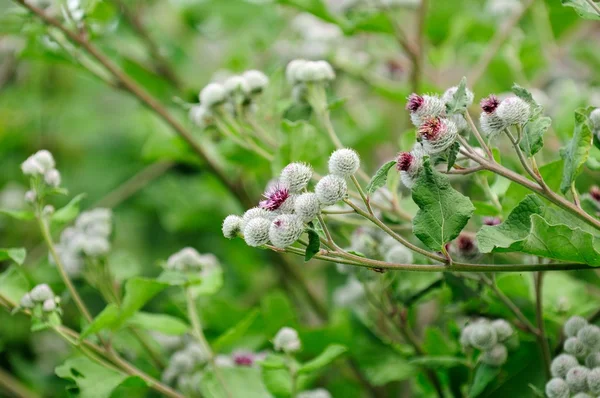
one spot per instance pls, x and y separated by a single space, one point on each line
539 315
14 386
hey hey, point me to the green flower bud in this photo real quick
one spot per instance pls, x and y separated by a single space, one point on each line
296 176
344 162
575 347
231 226
574 325
577 379
287 340
557 388
256 231
593 381
483 336
562 364
503 329
590 337
285 230
331 189
514 111
496 356
307 206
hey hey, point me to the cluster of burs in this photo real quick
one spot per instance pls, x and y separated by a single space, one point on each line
576 372
288 206
492 338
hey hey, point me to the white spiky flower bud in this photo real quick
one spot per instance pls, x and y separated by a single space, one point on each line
491 124
201 116
314 72
292 69
318 393
410 164
30 196
483 336
593 381
26 301
49 305
285 229
424 107
503 329
496 356
41 293
236 85
344 162
186 259
212 94
95 246
287 340
52 178
593 360
562 364
514 111
48 210
255 212
577 379
575 347
38 163
460 122
590 337
331 189
557 388
437 134
465 336
582 395
256 232
595 119
574 325
449 95
399 254
232 224
256 80
307 206
296 176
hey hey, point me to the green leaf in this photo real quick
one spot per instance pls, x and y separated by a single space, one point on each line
92 379
298 112
22 215
314 244
209 283
277 312
459 101
438 362
273 361
162 323
533 135
108 318
17 254
576 152
536 391
239 381
234 334
277 380
380 178
484 375
582 8
69 212
13 284
330 354
443 211
452 155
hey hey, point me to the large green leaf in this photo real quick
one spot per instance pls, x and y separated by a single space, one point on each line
443 211
330 354
576 152
69 212
21 215
239 381
484 375
93 380
16 254
13 284
165 324
583 8
231 336
533 135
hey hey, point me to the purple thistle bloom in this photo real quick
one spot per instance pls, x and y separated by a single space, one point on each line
595 193
404 161
275 196
489 104
491 221
414 102
431 129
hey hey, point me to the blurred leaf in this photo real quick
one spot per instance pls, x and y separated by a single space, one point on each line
533 135
314 244
452 155
22 215
526 96
380 178
277 312
330 354
443 211
582 8
576 152
13 284
106 319
234 334
69 212
278 381
438 362
162 323
239 381
485 208
459 101
297 112
484 375
17 254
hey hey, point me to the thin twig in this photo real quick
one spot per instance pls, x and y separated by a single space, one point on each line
539 315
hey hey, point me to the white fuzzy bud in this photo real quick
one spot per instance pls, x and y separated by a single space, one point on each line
26 301
52 178
425 107
460 122
410 164
296 176
95 246
235 85
562 364
350 294
181 362
399 254
483 336
49 305
256 80
285 230
593 381
188 258
593 360
491 124
30 196
213 94
318 393
96 222
449 95
314 71
503 329
557 388
575 347
465 336
331 189
287 340
438 134
344 162
574 325
31 167
201 116
292 69
590 337
38 163
582 395
41 293
595 119
255 212
232 224
307 206
48 210
256 232
514 111
496 356
577 379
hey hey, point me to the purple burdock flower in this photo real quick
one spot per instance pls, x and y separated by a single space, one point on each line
432 129
465 244
415 101
275 196
595 193
243 359
404 161
491 221
489 104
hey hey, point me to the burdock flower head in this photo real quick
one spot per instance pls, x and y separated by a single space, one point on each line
438 134
275 197
491 123
514 111
422 107
409 165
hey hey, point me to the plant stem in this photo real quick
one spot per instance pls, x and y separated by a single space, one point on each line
15 387
362 194
595 6
539 315
478 136
521 156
